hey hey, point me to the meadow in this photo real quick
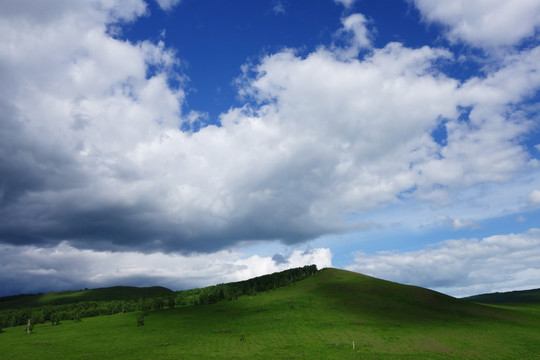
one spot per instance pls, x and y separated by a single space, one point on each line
333 314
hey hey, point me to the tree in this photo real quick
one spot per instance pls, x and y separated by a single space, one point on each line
55 319
38 316
145 305
158 304
77 316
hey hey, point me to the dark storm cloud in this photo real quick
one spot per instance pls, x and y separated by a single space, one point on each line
29 164
143 226
62 279
279 259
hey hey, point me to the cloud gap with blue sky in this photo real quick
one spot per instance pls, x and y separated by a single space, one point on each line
187 143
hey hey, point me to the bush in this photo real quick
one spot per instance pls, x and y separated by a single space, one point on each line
140 320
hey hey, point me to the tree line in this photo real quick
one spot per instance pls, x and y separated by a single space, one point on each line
232 290
200 296
76 311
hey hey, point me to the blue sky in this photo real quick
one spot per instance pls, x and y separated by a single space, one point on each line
188 143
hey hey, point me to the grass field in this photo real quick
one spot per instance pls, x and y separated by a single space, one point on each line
316 318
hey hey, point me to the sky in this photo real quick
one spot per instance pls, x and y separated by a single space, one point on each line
186 143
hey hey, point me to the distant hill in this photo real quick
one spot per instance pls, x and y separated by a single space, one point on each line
68 297
510 297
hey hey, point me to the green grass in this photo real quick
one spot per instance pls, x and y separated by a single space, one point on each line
316 318
67 297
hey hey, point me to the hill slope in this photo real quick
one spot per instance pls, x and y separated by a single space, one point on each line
384 299
510 297
333 314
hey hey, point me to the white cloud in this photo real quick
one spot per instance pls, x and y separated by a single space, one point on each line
63 267
346 3
484 23
371 114
484 148
256 265
279 8
167 4
355 26
462 267
475 204
456 224
534 197
53 10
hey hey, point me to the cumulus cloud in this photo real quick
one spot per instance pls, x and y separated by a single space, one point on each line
462 267
484 23
357 35
31 269
91 150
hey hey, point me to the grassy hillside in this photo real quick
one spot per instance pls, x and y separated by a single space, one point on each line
68 297
511 297
316 318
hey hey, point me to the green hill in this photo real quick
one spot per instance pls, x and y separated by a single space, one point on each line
333 314
68 297
510 297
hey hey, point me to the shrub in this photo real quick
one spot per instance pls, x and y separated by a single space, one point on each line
140 320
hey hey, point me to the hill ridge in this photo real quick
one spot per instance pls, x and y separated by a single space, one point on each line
110 293
530 296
